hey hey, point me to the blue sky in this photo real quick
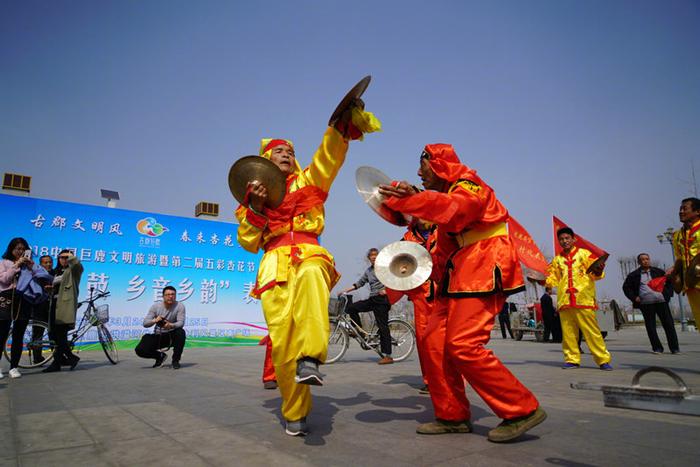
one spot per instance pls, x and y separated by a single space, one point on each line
587 110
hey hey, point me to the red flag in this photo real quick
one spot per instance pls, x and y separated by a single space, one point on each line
580 241
528 252
657 284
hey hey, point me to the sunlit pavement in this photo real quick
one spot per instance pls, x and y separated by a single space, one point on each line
214 411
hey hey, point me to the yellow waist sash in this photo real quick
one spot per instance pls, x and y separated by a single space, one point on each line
472 236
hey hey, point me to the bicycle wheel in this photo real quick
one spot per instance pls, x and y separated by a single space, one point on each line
36 351
403 339
337 342
108 344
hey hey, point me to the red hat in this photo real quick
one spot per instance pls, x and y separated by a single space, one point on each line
444 162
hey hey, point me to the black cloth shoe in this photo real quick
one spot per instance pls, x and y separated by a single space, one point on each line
176 364
52 368
160 359
73 362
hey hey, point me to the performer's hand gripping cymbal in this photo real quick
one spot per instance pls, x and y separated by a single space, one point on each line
257 195
397 189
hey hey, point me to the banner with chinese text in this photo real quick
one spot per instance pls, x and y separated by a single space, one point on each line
135 254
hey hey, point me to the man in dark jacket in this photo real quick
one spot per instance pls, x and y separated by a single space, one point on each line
550 318
651 303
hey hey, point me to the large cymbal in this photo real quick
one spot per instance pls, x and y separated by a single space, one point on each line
600 262
403 265
353 94
251 168
692 274
367 180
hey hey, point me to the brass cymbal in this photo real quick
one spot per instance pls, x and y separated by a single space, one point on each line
692 274
353 94
597 263
403 265
367 181
251 168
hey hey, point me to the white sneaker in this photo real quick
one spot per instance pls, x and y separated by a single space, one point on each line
1 375
14 373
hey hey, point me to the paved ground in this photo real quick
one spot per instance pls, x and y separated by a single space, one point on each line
214 411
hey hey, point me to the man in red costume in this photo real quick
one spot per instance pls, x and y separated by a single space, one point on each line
476 268
423 233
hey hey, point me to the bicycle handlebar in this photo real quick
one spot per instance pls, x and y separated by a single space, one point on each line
96 297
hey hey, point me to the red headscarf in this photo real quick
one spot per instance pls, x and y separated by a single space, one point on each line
444 162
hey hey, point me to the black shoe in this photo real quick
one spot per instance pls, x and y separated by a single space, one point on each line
307 372
270 385
51 368
160 359
176 364
73 362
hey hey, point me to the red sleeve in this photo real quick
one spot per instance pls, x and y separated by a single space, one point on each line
255 219
453 211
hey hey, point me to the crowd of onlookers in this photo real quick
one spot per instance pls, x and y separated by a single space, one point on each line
40 292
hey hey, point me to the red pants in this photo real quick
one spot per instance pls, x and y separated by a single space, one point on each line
421 311
458 329
268 367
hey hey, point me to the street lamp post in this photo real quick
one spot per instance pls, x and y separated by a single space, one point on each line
667 237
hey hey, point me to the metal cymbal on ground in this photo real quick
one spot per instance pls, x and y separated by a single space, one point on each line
403 265
256 168
367 181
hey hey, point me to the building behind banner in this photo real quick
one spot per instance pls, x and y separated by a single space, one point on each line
134 255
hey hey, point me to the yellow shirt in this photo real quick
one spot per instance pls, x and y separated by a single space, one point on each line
256 230
575 287
686 244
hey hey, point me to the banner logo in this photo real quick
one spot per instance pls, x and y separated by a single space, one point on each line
150 227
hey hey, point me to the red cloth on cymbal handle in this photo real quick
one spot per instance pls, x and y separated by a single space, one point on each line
657 284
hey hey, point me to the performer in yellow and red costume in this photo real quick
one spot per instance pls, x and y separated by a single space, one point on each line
576 300
686 245
425 234
296 274
475 267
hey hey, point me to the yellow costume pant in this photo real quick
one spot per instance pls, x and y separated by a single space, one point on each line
296 312
694 300
573 320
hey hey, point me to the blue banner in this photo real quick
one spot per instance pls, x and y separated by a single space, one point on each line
135 254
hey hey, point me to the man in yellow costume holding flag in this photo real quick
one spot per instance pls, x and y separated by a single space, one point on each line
686 245
296 274
576 300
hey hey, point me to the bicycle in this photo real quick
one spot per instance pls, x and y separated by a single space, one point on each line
403 337
94 316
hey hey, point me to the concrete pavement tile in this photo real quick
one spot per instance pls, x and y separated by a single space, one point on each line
167 418
8 461
49 430
86 456
223 446
480 460
7 439
107 424
156 450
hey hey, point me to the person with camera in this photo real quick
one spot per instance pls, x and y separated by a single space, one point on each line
168 317
21 287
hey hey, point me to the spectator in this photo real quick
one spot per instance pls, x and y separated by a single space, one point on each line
550 317
66 288
504 320
18 291
377 303
168 316
652 303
